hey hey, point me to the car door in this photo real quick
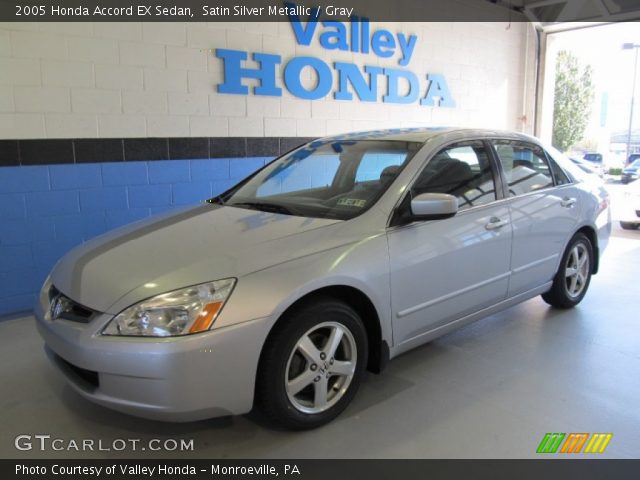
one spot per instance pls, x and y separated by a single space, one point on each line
442 270
544 212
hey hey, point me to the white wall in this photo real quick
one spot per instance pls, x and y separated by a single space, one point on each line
64 80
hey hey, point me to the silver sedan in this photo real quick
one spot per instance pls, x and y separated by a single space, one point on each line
329 261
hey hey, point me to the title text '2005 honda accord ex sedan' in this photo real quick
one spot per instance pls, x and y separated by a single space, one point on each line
330 260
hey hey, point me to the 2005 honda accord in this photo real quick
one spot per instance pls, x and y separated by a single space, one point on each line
329 261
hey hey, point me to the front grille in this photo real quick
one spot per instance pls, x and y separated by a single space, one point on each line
62 307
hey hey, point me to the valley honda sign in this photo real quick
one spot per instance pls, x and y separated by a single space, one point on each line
403 85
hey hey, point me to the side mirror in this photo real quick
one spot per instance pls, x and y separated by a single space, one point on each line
433 206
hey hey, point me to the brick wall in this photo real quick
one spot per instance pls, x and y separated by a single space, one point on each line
70 80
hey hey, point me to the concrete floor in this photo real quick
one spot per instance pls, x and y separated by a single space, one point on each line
489 390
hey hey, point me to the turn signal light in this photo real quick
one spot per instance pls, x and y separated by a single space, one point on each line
206 317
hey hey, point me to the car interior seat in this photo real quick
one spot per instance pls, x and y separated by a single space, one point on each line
452 177
388 175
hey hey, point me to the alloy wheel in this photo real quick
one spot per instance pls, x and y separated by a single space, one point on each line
320 367
577 270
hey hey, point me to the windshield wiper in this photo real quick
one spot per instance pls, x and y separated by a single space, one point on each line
263 206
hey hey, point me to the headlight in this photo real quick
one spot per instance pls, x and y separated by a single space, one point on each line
180 312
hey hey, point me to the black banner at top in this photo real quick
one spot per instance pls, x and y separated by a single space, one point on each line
340 10
258 10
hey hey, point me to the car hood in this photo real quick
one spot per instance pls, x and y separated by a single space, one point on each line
191 246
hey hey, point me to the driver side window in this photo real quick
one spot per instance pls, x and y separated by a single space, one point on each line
462 170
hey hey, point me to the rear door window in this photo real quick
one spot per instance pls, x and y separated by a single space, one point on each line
525 166
559 175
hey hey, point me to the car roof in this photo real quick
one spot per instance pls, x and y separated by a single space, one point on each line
423 134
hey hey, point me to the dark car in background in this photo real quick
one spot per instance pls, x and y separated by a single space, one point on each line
593 158
632 170
632 158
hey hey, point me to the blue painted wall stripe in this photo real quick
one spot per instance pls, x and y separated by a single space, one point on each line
47 210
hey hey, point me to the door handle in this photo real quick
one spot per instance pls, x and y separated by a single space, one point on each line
568 202
495 223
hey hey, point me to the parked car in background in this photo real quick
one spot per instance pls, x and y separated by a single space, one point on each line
596 161
632 158
328 261
631 172
630 208
593 157
588 167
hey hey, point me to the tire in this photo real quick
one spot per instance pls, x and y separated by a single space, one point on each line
569 288
629 225
297 364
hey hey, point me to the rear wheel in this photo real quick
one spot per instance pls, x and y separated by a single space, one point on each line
574 275
312 364
629 225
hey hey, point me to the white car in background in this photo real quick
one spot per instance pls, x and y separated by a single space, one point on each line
630 219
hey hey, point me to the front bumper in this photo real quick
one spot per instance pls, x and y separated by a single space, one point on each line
173 379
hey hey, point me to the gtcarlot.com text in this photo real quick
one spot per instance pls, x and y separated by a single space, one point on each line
44 442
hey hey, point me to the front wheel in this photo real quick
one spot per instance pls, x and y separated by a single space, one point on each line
574 275
312 364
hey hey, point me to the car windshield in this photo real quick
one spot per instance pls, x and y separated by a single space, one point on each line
324 179
635 164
